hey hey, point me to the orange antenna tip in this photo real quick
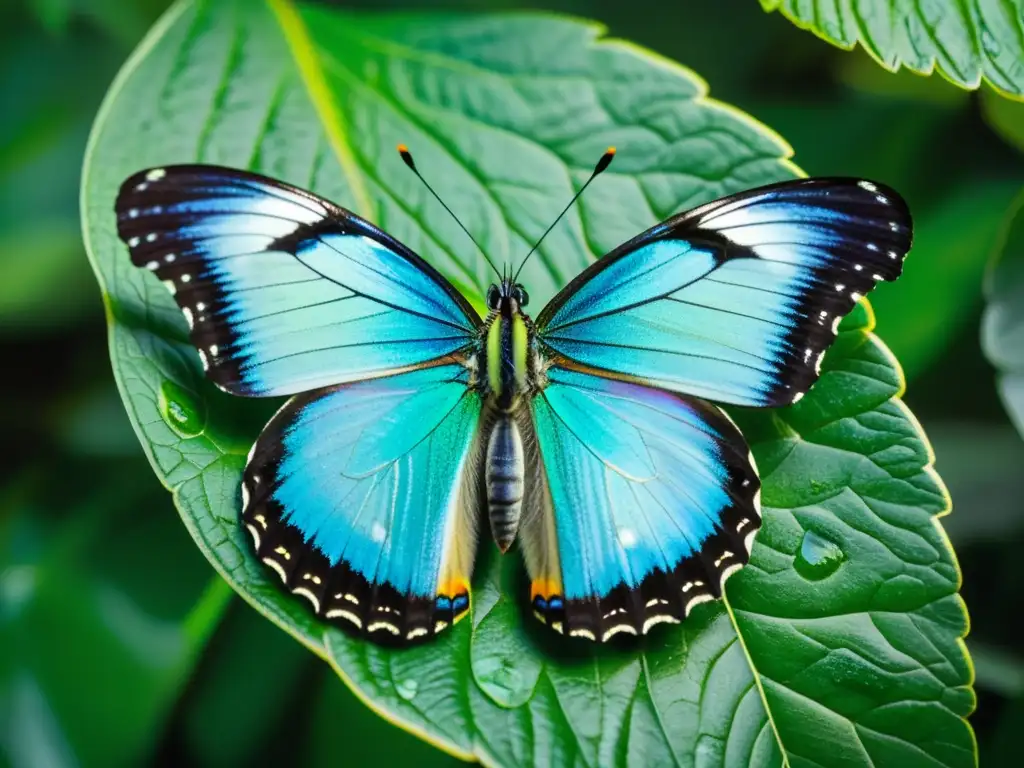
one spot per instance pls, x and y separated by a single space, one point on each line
605 161
406 156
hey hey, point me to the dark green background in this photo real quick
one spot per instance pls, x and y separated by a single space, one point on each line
104 659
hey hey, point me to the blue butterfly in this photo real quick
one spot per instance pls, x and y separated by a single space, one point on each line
586 434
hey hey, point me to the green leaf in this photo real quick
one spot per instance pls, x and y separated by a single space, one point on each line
103 612
843 644
1002 331
967 41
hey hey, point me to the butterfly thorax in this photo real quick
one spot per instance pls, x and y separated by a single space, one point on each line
507 361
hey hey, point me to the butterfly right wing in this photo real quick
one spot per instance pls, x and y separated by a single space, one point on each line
361 498
285 292
645 502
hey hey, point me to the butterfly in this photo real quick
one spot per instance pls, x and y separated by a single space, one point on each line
587 434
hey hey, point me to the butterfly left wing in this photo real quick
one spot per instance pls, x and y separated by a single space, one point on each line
284 291
737 300
360 498
648 501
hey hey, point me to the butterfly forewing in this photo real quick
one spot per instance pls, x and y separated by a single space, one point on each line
285 292
735 301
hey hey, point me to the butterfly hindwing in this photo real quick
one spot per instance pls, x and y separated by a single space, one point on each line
644 502
285 292
361 499
736 300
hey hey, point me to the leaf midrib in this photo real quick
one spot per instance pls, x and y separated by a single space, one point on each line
300 45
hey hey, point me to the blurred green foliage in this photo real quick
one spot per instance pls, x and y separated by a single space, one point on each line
93 557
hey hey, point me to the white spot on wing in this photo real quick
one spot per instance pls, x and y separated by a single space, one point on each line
627 537
206 367
660 619
867 185
277 567
188 317
309 596
151 237
582 633
730 571
133 241
378 532
798 397
255 536
627 628
156 174
695 601
341 613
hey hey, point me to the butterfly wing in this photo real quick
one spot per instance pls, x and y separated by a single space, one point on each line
361 498
284 291
737 300
649 501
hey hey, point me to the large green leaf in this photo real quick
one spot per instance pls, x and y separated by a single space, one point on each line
843 644
1002 333
966 41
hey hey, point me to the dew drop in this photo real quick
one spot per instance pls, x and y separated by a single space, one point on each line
179 409
502 681
818 557
407 689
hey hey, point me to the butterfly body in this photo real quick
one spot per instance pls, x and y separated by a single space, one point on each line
513 376
586 435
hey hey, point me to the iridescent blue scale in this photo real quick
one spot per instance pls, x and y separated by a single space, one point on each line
363 494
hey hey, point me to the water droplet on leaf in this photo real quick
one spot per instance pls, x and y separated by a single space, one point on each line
818 557
500 680
407 689
180 410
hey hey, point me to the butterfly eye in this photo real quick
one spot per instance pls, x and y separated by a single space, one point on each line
493 297
522 296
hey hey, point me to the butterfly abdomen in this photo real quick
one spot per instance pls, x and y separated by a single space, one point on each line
505 480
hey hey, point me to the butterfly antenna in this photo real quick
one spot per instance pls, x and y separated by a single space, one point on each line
407 159
602 164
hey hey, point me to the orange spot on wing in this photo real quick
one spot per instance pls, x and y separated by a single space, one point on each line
545 588
454 586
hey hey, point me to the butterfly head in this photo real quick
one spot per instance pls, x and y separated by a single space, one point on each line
508 298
